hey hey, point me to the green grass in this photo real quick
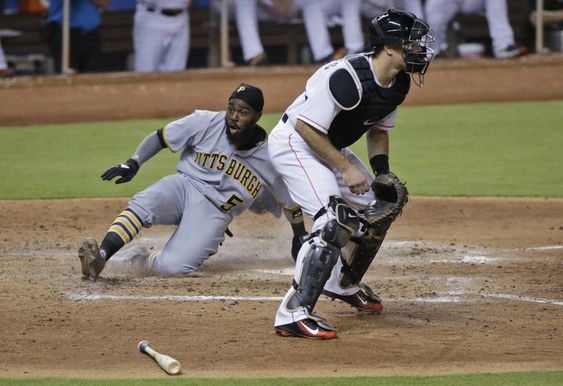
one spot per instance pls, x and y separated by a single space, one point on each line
507 379
502 149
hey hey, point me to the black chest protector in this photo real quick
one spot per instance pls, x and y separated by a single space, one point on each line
375 104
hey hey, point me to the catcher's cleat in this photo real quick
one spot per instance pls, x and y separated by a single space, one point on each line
306 328
363 301
91 260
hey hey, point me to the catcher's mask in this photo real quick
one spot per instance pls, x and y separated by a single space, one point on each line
405 30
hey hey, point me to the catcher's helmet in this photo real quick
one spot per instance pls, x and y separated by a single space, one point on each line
404 29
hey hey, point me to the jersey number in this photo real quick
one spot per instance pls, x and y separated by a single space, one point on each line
233 201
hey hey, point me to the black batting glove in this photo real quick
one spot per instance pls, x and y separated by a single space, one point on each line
296 244
126 170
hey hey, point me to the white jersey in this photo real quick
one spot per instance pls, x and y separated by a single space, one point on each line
317 107
231 179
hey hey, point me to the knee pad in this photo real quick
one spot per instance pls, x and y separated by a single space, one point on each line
337 231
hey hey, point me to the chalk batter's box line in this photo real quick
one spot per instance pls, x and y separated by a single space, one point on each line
446 298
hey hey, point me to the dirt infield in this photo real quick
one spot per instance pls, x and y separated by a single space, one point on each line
468 284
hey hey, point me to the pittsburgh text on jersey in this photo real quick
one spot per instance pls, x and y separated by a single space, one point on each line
232 168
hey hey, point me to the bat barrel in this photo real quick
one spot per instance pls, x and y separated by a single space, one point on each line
167 363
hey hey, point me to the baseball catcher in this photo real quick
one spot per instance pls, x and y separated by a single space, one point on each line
352 211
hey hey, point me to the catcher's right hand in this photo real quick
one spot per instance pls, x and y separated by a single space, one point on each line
126 170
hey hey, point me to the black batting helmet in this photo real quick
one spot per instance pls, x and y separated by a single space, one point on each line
406 30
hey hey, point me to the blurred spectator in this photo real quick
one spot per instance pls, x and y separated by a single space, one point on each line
440 12
247 13
347 13
9 7
85 21
373 8
121 5
4 70
246 18
161 35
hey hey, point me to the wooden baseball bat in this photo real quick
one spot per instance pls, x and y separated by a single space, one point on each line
168 364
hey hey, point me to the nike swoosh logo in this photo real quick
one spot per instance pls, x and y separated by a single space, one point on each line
369 122
311 331
124 166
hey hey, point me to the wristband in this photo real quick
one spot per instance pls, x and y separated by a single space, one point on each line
133 164
380 164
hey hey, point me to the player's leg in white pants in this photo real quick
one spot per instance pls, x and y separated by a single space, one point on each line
310 183
147 37
357 202
3 64
173 200
496 12
161 42
438 14
246 15
352 25
350 12
316 27
177 43
500 29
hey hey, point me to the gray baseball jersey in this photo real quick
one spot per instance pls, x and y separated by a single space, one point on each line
214 183
230 178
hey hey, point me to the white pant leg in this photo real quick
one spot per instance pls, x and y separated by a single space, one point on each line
147 41
438 14
357 202
316 27
247 24
3 64
175 56
352 25
310 182
500 29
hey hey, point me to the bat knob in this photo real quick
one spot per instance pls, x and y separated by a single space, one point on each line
143 345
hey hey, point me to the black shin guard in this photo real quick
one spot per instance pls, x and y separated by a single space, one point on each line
317 266
323 253
357 264
354 270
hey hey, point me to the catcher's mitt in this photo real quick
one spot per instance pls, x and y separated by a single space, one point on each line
391 195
